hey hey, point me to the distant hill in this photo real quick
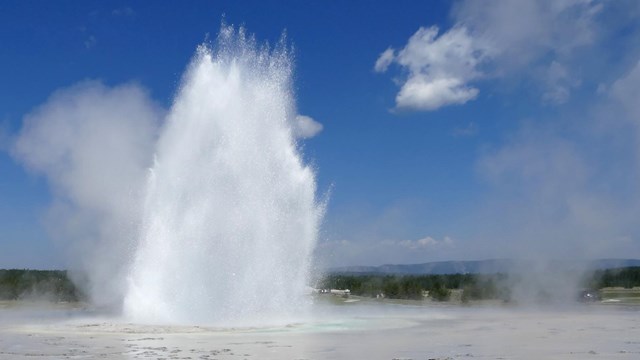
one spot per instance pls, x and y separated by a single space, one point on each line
480 266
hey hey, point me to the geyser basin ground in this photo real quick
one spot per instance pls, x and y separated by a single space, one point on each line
352 331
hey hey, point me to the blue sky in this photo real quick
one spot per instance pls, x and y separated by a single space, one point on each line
451 130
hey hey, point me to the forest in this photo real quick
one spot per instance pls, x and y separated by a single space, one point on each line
473 286
55 285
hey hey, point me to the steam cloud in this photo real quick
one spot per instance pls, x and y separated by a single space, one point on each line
305 127
93 143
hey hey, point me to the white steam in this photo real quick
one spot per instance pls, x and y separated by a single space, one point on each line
305 127
93 144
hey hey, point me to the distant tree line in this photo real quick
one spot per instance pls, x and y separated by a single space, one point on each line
55 285
627 277
473 286
51 285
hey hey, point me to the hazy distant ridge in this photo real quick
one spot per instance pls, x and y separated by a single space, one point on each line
477 267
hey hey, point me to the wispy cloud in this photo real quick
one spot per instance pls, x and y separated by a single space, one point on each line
5 138
424 243
123 11
567 187
471 129
440 68
90 42
626 92
492 40
384 60
371 252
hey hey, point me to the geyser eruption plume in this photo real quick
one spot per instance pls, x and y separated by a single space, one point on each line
221 228
230 217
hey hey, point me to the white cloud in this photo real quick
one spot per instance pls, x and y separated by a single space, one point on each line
385 59
425 243
524 31
305 127
626 91
538 38
440 68
558 84
420 93
453 54
495 39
